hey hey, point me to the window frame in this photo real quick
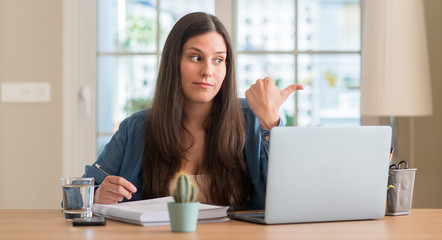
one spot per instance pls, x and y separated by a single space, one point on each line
78 107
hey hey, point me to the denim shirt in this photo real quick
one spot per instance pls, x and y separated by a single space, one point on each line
122 156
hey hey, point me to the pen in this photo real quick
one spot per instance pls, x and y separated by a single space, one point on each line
391 153
102 169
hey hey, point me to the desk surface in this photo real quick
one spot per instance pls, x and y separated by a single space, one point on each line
50 224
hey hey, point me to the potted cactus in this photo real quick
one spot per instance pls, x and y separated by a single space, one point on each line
183 213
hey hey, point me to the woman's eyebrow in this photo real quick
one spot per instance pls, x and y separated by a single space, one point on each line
200 51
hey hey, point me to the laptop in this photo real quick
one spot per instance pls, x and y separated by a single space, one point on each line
320 174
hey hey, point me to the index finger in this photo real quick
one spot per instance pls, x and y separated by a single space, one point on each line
291 88
122 182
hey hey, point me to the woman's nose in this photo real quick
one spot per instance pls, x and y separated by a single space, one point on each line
207 69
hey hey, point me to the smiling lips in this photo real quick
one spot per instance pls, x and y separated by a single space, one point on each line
203 84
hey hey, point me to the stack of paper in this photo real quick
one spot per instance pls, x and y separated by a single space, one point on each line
153 212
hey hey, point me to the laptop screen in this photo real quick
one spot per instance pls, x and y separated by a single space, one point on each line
327 173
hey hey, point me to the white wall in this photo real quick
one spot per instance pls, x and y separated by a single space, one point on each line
420 139
30 133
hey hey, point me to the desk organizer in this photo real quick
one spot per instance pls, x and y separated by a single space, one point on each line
400 194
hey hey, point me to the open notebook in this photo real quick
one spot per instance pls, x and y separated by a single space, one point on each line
318 174
154 212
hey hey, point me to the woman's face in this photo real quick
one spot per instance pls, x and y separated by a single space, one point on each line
203 67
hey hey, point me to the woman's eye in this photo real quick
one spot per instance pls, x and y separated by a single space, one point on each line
219 60
195 58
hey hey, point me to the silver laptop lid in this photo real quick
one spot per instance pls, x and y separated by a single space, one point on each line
327 173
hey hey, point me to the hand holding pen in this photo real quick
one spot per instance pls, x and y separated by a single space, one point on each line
113 189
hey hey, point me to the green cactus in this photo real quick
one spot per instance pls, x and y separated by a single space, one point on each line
184 191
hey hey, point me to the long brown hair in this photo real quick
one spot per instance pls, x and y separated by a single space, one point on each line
164 150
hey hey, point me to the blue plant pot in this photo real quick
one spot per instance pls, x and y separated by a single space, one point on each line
183 216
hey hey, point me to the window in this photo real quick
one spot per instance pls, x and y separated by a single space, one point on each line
315 43
312 42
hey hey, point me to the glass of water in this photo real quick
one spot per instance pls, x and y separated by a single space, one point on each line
78 197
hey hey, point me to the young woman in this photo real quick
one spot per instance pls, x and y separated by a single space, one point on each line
196 125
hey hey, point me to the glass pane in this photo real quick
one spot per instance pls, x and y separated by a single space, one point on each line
125 85
106 25
331 95
329 25
172 10
263 25
280 67
126 25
